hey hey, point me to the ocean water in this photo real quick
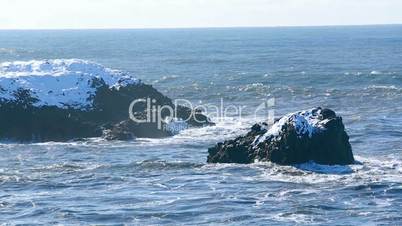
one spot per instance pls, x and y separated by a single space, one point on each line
356 71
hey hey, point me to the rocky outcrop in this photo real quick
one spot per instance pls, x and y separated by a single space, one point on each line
60 100
315 135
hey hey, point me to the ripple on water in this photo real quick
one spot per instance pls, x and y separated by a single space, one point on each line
96 181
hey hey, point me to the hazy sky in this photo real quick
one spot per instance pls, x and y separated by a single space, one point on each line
40 14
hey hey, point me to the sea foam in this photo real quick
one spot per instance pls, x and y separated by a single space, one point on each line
59 82
305 122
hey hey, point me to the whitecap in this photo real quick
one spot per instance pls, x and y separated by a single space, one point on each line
383 87
375 73
7 50
253 87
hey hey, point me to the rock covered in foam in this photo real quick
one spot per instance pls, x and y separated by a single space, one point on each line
305 123
61 100
62 83
315 135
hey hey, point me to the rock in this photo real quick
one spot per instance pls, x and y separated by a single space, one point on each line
119 131
61 100
315 135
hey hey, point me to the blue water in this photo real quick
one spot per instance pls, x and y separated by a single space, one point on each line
357 71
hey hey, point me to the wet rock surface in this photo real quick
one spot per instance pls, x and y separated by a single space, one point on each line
61 100
21 121
315 135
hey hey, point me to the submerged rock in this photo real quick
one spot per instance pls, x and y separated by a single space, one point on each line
60 100
315 135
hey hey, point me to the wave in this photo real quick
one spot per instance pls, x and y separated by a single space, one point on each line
384 87
161 165
225 128
371 73
7 51
253 87
365 171
376 73
307 173
166 79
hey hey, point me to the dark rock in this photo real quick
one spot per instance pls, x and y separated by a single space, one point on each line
120 131
21 121
327 113
317 135
69 99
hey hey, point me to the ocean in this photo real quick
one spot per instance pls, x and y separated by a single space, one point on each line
356 71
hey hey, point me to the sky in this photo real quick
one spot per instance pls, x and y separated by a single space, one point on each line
82 14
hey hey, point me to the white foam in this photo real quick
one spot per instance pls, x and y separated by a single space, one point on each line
383 87
253 87
60 82
225 128
375 73
7 51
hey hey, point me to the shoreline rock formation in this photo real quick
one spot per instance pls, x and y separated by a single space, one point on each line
314 135
60 100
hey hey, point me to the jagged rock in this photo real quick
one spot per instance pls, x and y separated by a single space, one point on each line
60 100
316 135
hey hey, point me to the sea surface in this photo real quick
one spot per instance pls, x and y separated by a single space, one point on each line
357 71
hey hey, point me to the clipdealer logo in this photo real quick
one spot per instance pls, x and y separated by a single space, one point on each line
162 114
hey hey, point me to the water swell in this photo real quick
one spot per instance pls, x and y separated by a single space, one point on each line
156 165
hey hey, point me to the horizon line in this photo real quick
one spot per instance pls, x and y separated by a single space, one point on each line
201 27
